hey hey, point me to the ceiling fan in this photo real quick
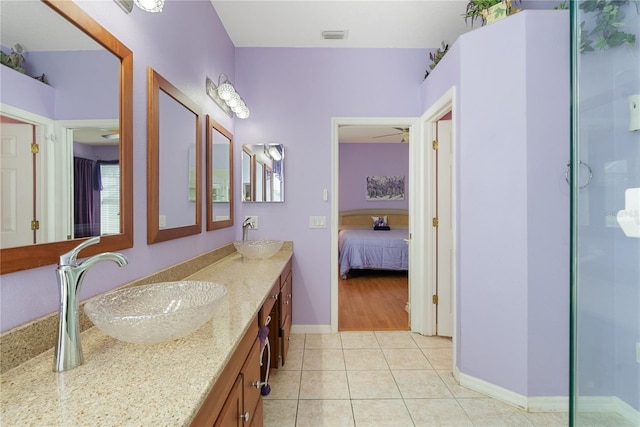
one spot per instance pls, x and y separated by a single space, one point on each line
403 131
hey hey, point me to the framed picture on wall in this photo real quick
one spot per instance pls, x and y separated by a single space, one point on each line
385 188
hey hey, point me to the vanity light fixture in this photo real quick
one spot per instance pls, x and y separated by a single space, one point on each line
150 5
274 153
227 98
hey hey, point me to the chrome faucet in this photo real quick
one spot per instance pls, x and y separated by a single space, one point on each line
68 352
246 225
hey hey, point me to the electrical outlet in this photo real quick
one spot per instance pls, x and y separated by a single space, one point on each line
638 352
253 220
162 221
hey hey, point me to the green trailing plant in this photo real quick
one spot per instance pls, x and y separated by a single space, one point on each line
477 10
14 59
607 32
436 56
562 6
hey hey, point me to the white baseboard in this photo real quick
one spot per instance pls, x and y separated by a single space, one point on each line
310 329
492 390
609 404
549 403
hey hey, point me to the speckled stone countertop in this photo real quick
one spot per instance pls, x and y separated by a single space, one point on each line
127 384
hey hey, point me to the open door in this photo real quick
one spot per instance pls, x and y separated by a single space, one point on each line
443 298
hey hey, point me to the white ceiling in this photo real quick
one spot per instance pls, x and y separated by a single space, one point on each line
370 23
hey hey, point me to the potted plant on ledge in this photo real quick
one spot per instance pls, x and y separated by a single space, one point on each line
488 11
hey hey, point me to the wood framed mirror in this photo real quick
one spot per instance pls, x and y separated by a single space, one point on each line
54 230
173 164
219 166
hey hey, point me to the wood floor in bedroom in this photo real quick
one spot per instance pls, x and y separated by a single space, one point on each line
371 300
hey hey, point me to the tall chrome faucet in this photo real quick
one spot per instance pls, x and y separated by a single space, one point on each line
68 353
246 225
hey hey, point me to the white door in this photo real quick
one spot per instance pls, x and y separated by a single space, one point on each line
444 231
16 184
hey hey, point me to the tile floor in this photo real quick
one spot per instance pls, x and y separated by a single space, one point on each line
381 379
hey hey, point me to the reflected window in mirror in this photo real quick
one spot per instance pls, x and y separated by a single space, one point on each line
219 174
263 173
58 122
173 163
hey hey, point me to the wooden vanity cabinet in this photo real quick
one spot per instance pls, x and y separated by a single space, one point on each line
270 308
285 306
234 399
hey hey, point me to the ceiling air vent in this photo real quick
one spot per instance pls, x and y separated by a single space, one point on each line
334 35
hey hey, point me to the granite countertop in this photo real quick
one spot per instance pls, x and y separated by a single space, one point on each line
128 384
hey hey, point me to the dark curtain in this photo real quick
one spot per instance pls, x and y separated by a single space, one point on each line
86 215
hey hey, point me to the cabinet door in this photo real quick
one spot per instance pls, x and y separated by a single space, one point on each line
286 312
251 377
231 414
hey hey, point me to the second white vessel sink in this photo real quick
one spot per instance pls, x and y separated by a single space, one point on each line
258 249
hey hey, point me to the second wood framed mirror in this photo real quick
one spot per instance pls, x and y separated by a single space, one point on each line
174 157
219 176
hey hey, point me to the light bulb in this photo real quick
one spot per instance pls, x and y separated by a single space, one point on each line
226 90
150 5
244 113
234 100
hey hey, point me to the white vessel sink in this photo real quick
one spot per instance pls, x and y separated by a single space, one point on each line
258 249
155 313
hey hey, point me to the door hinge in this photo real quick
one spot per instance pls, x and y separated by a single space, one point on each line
434 298
35 225
434 144
435 222
35 148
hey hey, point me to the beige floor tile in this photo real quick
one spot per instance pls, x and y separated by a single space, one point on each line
395 339
330 413
440 358
487 412
280 413
359 340
456 389
379 413
372 385
432 341
323 360
406 358
324 385
547 419
365 360
296 341
323 341
294 360
421 384
284 384
437 412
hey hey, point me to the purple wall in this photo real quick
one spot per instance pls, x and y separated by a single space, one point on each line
293 94
357 161
512 203
184 58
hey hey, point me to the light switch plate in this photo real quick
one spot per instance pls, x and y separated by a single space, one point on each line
317 222
253 221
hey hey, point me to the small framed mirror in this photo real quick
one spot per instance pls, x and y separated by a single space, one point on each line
263 173
173 163
219 176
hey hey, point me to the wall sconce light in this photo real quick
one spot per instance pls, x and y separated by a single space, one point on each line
150 5
273 152
227 98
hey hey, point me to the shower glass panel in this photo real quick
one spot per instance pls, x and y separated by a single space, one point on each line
605 203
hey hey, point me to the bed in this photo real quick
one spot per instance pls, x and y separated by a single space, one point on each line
361 247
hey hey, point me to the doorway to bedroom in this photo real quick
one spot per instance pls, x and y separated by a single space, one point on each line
373 225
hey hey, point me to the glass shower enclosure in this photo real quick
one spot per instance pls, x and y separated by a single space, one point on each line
604 174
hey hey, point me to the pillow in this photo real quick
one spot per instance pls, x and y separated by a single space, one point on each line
379 221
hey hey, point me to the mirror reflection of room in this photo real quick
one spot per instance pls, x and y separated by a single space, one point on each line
263 173
67 145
